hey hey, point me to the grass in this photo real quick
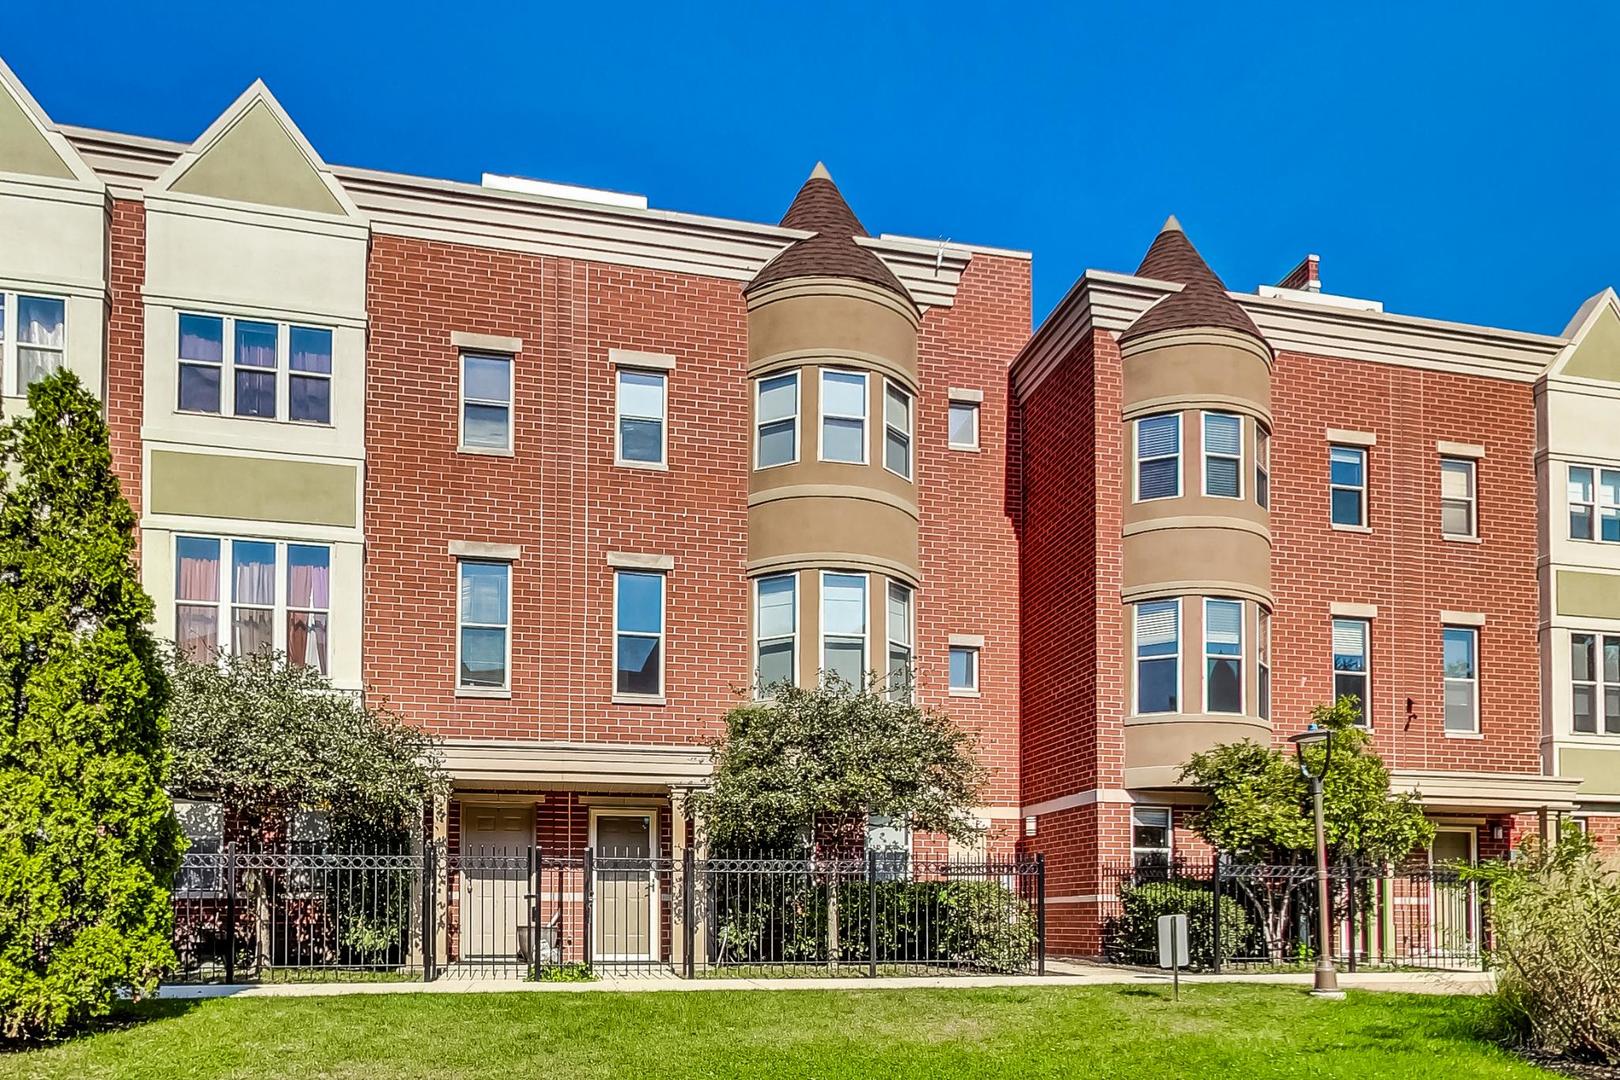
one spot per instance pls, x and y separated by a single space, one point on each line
1105 1033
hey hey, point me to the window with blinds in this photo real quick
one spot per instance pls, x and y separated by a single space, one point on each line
1223 656
1262 466
1457 497
1158 656
843 628
1347 485
1350 668
1223 455
1158 457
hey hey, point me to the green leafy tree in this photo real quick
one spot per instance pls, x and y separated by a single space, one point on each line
1260 811
88 839
263 738
833 754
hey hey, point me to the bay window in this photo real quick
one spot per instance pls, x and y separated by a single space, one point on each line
843 627
1594 673
228 597
1158 457
1223 455
1223 656
776 632
843 417
1158 656
253 369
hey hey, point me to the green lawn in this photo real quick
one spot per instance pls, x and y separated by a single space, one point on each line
1250 1032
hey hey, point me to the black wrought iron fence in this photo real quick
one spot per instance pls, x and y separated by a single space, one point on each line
1249 916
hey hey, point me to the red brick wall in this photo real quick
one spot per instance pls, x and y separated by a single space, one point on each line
126 344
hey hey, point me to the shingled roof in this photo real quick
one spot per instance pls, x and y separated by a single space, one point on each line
1202 301
820 208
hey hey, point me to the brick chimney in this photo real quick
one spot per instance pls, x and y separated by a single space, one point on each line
1307 275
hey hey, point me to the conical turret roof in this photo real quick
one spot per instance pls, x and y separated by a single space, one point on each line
1202 301
820 208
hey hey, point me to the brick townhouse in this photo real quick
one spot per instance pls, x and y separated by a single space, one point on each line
558 475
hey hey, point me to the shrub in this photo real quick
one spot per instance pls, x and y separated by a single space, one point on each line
1555 942
1133 938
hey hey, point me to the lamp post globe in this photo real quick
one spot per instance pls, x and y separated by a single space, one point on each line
1326 983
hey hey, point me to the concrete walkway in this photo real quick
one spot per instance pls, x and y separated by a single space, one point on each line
1059 973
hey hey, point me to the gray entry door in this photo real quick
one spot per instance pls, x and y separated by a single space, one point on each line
494 869
625 888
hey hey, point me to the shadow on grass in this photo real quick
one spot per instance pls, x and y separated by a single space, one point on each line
125 1015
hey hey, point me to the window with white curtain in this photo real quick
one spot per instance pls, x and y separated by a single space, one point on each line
776 420
483 632
309 605
1351 669
1457 516
1158 457
900 629
245 596
897 429
843 416
776 632
1158 656
843 627
1223 455
33 338
1594 672
641 408
253 596
1223 656
253 369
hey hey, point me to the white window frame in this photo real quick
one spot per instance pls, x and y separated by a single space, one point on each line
798 412
866 618
1169 835
1361 451
893 643
11 341
759 639
1205 454
1241 656
973 408
224 640
1138 460
1596 509
510 404
282 372
1472 501
1447 680
1262 466
662 637
1599 686
619 415
821 409
977 654
1137 659
1262 662
505 688
1365 675
892 432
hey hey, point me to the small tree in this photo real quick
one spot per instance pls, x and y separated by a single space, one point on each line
832 754
263 738
88 839
1260 809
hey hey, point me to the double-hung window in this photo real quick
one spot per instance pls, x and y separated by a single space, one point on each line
484 637
1223 455
254 369
1347 485
1594 672
202 362
964 669
776 632
1223 656
843 628
1150 836
641 405
226 598
1158 656
638 637
897 429
486 402
900 630
1594 508
963 432
1457 514
309 375
1158 457
1262 651
843 416
1350 666
1262 466
38 344
776 420
1461 657
309 605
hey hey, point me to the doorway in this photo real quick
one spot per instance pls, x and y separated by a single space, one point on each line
494 864
1453 910
626 884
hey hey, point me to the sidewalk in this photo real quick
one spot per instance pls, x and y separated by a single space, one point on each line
1060 973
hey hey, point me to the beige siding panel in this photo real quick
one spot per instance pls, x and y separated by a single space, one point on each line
257 161
1588 596
22 148
253 489
1598 355
1598 769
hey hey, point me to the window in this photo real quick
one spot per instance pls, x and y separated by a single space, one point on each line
843 417
203 824
309 375
486 402
1158 656
776 632
1262 466
1150 836
211 573
897 429
40 342
1461 649
484 646
1594 672
1457 497
1223 656
1223 455
1350 668
776 421
256 344
843 627
900 623
888 843
1584 508
1158 457
641 417
202 361
638 661
963 433
1262 648
1348 485
964 674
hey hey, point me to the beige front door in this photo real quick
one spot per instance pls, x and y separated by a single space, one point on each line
1452 908
494 864
625 886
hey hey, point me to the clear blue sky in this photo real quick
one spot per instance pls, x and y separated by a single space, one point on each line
1458 161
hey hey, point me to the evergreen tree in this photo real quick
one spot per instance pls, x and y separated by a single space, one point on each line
88 839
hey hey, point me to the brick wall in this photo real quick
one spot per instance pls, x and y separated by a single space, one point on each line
126 344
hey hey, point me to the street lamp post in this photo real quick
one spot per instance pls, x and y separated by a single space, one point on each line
1327 979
